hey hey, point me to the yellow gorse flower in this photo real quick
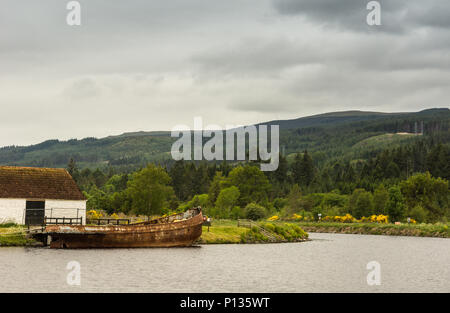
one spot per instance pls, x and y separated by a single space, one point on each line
296 217
348 218
92 214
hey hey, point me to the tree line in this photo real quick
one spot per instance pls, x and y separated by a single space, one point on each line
410 180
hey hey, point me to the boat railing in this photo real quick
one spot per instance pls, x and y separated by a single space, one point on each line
63 220
108 221
179 216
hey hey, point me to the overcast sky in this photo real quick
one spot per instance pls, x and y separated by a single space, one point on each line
152 64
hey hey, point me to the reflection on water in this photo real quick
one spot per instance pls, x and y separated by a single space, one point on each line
328 263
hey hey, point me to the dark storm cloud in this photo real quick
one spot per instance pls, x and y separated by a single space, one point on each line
397 15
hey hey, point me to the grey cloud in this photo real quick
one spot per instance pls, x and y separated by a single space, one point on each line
397 15
149 65
82 88
253 56
323 89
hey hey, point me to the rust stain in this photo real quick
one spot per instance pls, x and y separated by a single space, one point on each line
173 231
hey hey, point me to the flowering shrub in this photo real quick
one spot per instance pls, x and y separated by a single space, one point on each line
382 219
92 214
328 219
115 216
274 218
296 217
347 218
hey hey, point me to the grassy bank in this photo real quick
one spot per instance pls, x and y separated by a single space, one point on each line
13 235
418 230
226 231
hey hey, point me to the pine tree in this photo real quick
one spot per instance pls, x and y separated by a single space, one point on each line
307 169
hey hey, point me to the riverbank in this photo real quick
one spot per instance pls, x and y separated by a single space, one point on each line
221 232
227 232
416 230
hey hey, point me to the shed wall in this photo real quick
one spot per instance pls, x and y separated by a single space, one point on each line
13 210
66 208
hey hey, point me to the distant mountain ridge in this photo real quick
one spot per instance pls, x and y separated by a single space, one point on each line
346 116
328 135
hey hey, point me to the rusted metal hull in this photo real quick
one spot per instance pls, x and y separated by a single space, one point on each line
174 231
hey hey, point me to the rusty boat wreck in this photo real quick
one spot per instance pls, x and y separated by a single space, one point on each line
177 230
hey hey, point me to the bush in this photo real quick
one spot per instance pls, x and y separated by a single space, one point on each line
226 201
269 226
418 213
237 213
253 235
290 232
254 211
298 230
279 203
333 211
7 225
395 204
361 203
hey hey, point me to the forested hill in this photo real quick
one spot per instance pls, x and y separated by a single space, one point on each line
351 135
345 117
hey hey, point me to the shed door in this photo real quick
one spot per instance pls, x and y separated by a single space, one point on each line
35 211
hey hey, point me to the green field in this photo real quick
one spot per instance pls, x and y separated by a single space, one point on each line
385 140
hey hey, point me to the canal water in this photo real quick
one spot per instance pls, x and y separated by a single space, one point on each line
327 263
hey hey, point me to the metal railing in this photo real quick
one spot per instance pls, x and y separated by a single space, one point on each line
245 223
250 224
38 216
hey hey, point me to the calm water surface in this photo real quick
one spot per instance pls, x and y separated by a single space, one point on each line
328 263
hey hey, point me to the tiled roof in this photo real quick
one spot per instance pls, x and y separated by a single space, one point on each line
38 183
